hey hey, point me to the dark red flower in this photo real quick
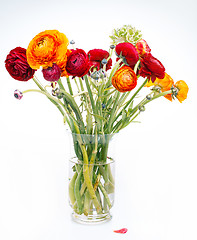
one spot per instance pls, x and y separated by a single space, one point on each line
77 63
52 74
17 66
128 52
96 56
151 67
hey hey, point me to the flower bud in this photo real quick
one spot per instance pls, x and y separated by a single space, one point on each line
95 75
55 92
53 84
112 46
174 90
141 108
102 73
157 88
72 42
149 97
103 106
52 74
18 94
104 61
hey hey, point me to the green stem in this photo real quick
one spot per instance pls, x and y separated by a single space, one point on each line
131 99
83 188
93 156
61 86
77 84
86 203
75 108
52 99
90 94
159 95
136 66
86 173
69 86
94 110
72 189
136 108
105 146
116 66
87 178
111 178
81 84
122 124
48 95
38 84
77 192
105 194
112 114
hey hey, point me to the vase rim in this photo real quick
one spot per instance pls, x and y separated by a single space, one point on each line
76 160
92 135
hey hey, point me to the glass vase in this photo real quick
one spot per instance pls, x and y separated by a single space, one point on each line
91 178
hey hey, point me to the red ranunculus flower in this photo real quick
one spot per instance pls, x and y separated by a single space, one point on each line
77 63
129 52
96 56
52 74
142 47
151 67
17 66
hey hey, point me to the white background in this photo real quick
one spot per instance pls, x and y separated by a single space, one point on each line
156 162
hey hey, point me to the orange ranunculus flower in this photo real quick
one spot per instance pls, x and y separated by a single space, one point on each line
46 48
182 90
165 84
124 79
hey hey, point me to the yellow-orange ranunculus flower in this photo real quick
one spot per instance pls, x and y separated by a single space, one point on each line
183 90
124 79
165 84
46 48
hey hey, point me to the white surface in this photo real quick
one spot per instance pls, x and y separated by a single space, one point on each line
156 163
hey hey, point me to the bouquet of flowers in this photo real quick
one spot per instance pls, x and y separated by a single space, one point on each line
96 99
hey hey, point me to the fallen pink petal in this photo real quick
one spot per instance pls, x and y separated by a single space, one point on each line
123 230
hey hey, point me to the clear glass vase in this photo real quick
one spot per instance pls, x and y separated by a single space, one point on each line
91 178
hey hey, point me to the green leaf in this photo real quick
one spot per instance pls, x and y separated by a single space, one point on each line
89 123
130 107
124 115
98 116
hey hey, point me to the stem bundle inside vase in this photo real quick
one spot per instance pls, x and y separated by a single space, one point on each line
91 187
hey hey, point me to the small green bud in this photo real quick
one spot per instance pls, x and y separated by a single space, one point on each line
72 42
104 61
149 97
141 108
174 91
112 46
95 75
157 89
101 73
